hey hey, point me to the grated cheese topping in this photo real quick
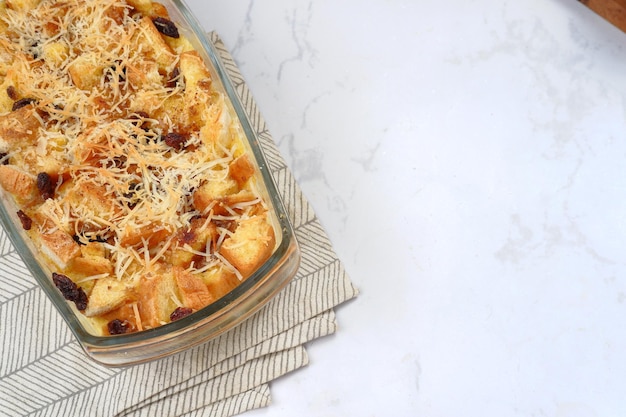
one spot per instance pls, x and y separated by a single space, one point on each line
138 143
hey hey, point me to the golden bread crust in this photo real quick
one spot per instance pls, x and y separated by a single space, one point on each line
17 182
124 154
250 245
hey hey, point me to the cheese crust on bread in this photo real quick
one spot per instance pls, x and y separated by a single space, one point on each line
117 145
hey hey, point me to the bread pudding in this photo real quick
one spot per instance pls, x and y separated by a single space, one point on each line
131 174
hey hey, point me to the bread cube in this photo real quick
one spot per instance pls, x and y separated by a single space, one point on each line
143 74
3 24
213 191
196 237
219 281
250 245
107 295
18 183
20 127
143 6
92 260
22 5
86 71
216 121
149 45
60 247
156 298
194 71
193 290
157 10
91 198
151 234
55 53
180 44
6 102
6 53
241 170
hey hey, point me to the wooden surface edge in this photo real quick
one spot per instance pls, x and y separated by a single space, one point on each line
613 11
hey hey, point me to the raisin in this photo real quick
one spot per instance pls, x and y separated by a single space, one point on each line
180 313
34 49
81 239
3 158
131 195
78 240
118 326
45 185
22 102
166 27
12 92
174 78
99 239
27 222
175 140
91 237
70 291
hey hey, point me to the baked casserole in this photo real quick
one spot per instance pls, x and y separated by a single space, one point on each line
130 173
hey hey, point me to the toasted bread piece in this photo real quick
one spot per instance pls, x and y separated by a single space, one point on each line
6 102
22 5
55 53
86 71
149 45
196 237
213 191
143 74
215 195
92 266
7 54
93 250
18 182
157 10
194 71
185 111
143 6
107 295
92 260
156 297
242 196
60 247
193 290
250 245
215 130
241 170
20 127
180 44
188 110
152 234
92 198
3 25
219 281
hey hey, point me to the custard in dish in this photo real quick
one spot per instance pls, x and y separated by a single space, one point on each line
129 171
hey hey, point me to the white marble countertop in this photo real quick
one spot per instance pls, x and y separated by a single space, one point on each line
467 159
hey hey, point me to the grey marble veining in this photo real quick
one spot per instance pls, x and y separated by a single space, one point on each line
467 160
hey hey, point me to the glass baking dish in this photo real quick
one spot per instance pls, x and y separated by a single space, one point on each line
221 315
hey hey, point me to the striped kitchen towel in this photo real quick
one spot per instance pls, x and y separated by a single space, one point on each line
43 371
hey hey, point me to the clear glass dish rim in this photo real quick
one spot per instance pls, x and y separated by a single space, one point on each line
271 276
